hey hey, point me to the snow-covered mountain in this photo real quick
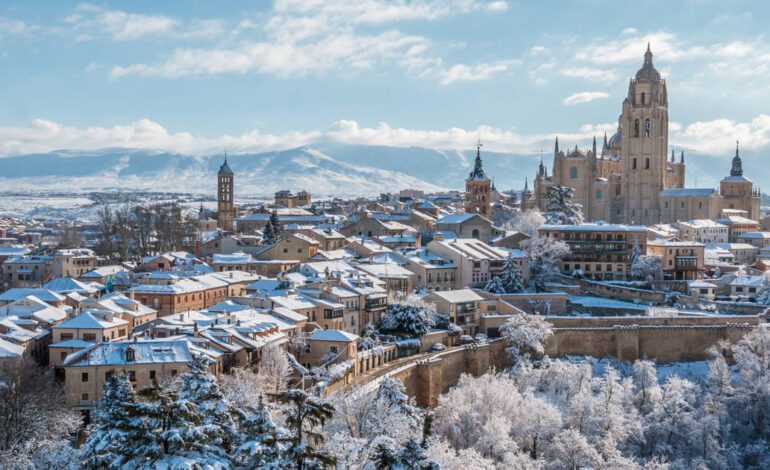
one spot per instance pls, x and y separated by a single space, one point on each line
326 169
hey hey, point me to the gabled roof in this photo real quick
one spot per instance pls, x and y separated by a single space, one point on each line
332 335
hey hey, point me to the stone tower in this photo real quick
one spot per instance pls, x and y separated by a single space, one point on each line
644 125
738 191
478 189
225 191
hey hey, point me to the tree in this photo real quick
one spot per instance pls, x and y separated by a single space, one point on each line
526 222
304 416
70 236
274 369
241 387
570 450
262 441
201 388
411 316
544 259
120 433
510 281
526 335
34 417
268 236
560 208
275 226
646 268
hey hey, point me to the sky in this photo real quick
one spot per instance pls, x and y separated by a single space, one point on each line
208 76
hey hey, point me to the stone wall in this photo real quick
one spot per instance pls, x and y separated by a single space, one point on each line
665 339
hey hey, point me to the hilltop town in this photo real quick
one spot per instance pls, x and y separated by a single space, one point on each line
388 302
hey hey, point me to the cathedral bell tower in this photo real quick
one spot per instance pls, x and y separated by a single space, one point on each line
644 124
478 189
225 191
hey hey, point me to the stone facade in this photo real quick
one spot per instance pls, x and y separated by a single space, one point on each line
630 180
225 194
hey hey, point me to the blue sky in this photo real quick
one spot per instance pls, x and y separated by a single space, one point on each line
202 76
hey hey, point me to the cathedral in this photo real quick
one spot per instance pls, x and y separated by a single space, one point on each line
631 180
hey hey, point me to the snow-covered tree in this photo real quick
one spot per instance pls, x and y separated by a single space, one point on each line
763 295
646 268
120 432
526 222
510 281
268 235
199 386
34 417
570 450
526 335
262 442
646 387
544 259
305 416
241 387
411 316
275 224
561 210
274 369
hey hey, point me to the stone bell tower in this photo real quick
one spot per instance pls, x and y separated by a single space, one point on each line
478 189
644 124
225 191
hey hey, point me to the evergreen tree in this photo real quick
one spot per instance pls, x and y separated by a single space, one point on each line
560 208
261 444
120 433
495 285
413 457
268 236
201 388
384 455
512 279
305 415
276 224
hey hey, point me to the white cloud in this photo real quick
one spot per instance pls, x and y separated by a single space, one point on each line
314 37
11 26
584 97
122 26
715 137
466 73
589 73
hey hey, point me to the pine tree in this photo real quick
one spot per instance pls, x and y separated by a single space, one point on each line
495 285
201 388
412 456
384 455
304 417
512 279
120 433
268 236
560 208
276 224
261 444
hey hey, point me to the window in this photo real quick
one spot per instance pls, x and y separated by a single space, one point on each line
647 129
647 163
89 337
643 97
636 128
63 356
84 397
173 372
132 375
633 164
130 355
333 349
573 173
84 377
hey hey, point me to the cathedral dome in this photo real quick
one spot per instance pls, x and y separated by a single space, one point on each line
614 142
648 72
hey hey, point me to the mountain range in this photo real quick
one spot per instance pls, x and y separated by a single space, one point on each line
325 169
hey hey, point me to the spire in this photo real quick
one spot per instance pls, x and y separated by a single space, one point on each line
648 55
526 184
556 146
478 169
681 157
594 147
604 145
737 169
672 155
225 168
541 167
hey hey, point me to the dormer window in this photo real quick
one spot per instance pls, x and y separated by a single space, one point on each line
130 355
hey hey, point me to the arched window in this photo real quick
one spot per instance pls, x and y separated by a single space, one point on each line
475 233
642 97
647 163
573 173
633 166
636 128
647 129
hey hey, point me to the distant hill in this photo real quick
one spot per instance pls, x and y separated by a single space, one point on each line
325 169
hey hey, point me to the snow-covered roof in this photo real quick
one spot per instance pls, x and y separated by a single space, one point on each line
473 248
703 223
103 271
455 218
91 320
64 285
748 281
457 296
71 343
736 219
332 335
145 352
701 284
9 349
754 235
593 228
238 257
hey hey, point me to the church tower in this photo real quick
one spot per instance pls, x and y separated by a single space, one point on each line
738 191
478 189
644 126
225 191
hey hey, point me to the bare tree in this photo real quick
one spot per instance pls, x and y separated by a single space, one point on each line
274 369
